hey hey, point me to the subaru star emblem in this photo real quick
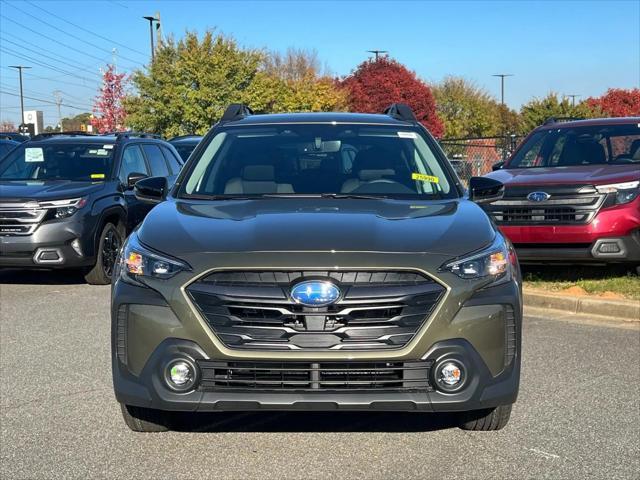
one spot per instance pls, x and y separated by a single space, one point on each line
315 293
538 197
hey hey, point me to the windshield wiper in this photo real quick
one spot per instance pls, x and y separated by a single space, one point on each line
353 195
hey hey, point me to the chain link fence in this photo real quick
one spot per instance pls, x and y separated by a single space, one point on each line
473 157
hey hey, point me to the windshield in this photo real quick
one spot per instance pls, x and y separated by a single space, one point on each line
61 161
319 159
594 145
184 149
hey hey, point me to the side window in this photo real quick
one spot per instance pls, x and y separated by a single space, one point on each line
132 161
156 160
174 164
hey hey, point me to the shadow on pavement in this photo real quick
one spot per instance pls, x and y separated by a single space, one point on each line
311 422
41 277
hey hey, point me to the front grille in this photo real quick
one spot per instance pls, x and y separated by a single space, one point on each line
20 218
567 205
279 376
377 309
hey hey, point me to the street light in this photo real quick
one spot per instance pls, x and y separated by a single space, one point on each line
377 53
151 20
502 75
20 68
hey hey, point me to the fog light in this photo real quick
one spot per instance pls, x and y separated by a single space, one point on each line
76 246
450 375
609 247
180 375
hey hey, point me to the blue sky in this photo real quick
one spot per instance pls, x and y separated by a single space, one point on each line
570 47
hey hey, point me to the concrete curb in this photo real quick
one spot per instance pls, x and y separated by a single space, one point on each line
621 310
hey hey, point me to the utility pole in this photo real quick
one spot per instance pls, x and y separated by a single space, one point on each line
58 96
573 98
20 68
502 75
377 53
158 30
151 20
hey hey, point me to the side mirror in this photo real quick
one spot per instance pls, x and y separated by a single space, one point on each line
485 190
151 189
497 166
135 177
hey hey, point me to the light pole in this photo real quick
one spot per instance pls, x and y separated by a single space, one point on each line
377 53
573 97
20 68
502 75
151 20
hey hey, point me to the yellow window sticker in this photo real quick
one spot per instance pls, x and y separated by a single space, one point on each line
424 178
97 176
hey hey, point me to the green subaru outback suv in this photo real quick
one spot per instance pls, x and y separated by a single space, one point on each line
321 261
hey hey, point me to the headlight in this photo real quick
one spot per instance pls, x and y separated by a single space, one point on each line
495 261
138 262
624 192
65 208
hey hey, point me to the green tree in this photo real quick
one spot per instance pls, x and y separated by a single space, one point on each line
193 80
538 110
469 111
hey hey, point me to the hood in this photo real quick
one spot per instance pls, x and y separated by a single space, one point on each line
574 175
23 190
342 225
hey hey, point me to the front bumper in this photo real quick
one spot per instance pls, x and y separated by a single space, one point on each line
626 249
50 246
151 334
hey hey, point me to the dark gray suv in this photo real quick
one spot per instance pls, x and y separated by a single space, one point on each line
321 261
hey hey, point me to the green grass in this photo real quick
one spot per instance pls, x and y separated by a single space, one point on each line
594 280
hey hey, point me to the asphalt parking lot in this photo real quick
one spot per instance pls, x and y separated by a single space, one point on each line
578 414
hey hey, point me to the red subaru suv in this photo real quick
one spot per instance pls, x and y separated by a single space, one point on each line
572 193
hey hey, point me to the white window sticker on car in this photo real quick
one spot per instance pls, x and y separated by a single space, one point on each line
407 135
33 155
108 146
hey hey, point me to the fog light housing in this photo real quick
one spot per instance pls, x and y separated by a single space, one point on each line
609 247
181 375
450 375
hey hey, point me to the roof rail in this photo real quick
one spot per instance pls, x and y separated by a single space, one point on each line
120 135
236 111
401 111
551 120
180 137
72 133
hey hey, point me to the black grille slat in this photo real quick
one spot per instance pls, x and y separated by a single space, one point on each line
567 205
308 376
378 309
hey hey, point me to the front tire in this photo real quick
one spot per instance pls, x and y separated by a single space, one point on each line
111 239
486 420
140 419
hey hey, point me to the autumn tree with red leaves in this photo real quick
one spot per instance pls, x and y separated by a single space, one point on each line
109 113
617 102
376 84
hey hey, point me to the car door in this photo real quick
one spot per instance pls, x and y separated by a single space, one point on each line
133 161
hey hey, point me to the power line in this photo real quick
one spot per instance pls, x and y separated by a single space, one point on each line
57 80
52 39
72 65
86 30
78 101
42 63
69 34
42 100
